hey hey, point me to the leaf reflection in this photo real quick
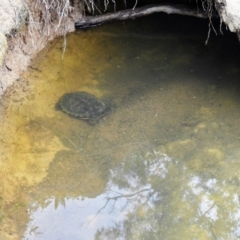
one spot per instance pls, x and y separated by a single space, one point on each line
160 196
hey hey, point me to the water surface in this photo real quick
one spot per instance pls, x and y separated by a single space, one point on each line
164 164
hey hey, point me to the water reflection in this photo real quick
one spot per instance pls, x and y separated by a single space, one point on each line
164 163
147 196
129 191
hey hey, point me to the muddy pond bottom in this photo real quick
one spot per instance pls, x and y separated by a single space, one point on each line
164 163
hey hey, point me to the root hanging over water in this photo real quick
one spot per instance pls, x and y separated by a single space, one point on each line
89 21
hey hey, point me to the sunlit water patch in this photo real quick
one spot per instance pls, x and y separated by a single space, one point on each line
162 164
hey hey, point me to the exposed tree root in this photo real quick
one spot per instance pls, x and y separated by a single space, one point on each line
91 21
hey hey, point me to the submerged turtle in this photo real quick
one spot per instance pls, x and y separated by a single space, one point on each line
83 105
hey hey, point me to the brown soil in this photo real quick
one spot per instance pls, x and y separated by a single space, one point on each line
24 45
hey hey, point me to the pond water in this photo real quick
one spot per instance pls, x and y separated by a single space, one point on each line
163 164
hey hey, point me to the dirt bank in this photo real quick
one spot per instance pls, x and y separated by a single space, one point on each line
26 29
229 11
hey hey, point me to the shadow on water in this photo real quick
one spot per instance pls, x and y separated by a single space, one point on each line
163 165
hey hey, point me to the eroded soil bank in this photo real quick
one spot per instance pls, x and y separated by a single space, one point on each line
26 29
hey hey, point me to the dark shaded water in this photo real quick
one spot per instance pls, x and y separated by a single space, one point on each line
165 164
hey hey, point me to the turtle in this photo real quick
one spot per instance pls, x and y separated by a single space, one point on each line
83 105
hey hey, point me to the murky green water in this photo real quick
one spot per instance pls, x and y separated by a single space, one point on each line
164 164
